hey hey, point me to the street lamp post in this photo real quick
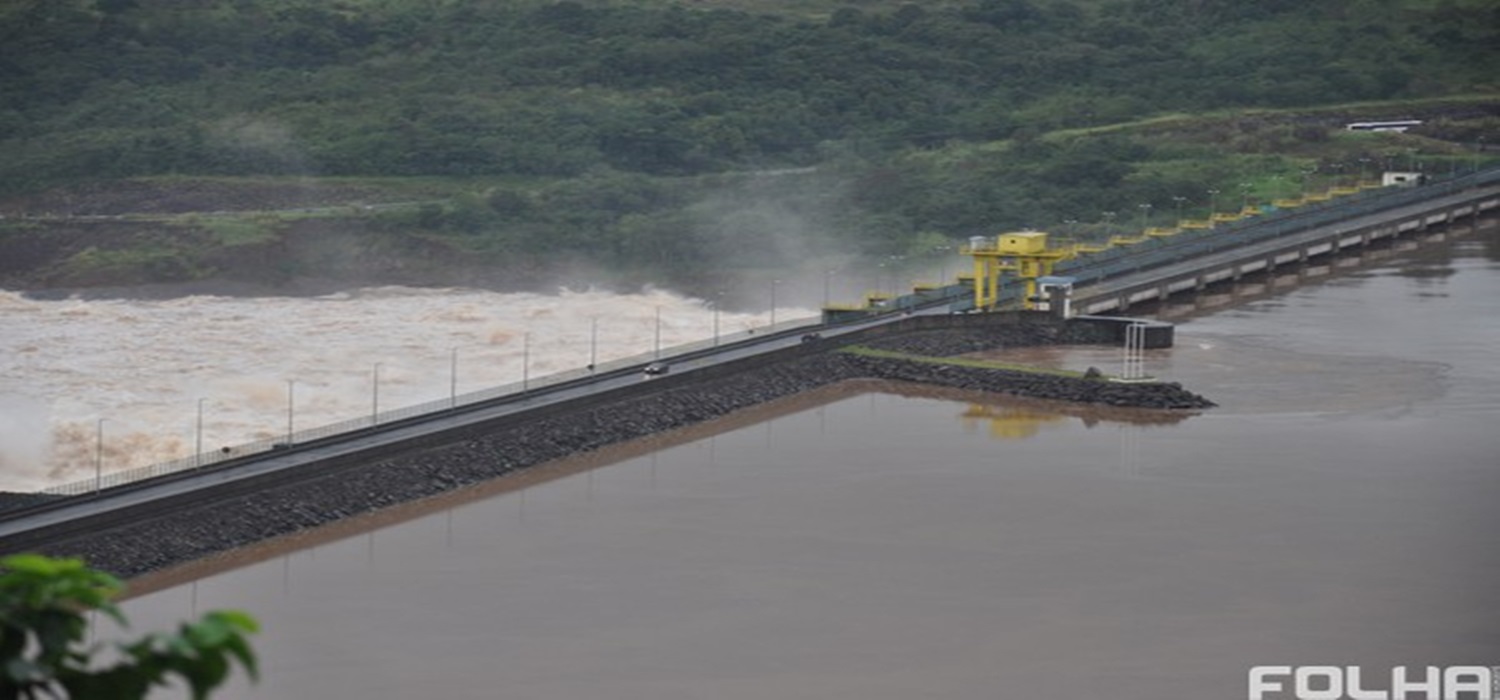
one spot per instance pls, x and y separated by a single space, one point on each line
593 343
1145 214
375 395
99 455
453 378
198 441
774 283
290 408
718 301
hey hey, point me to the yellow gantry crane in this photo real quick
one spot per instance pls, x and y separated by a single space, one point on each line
1024 252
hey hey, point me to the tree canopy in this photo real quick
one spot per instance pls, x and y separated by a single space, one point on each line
113 88
651 133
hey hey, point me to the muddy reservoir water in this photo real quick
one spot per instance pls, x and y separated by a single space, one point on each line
1339 508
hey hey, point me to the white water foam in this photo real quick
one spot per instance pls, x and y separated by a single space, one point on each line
142 366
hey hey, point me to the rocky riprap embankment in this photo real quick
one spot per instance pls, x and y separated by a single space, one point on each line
11 500
1151 395
185 535
961 341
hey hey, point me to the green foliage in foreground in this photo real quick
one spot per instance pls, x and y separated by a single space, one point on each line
44 604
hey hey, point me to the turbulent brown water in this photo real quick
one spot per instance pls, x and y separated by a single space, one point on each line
142 365
1339 508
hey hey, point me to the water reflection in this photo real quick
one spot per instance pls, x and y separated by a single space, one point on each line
1008 417
1491 243
882 555
1017 418
1130 451
754 537
1007 422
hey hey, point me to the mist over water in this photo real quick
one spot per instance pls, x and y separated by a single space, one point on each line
143 365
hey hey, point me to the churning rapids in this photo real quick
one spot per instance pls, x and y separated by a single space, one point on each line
118 383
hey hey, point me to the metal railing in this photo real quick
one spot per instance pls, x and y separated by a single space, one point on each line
429 408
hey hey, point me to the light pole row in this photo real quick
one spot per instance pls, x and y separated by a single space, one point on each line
375 376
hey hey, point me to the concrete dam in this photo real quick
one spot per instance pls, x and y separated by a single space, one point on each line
171 516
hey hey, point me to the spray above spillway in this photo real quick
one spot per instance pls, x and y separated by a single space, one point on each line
123 383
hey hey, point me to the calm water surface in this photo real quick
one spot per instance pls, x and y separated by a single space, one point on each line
1339 508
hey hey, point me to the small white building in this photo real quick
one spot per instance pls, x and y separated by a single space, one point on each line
1401 179
1054 290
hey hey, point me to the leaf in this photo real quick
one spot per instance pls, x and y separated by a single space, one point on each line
43 603
236 619
241 650
33 564
205 675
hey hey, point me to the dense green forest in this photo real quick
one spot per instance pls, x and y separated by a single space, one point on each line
649 132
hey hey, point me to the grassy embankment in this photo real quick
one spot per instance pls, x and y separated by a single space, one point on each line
863 351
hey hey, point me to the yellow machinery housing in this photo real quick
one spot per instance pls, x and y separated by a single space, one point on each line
1025 252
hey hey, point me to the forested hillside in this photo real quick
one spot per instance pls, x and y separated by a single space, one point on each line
137 87
636 117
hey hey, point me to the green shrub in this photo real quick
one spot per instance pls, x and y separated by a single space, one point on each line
44 604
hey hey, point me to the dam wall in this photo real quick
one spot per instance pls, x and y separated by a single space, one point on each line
211 521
